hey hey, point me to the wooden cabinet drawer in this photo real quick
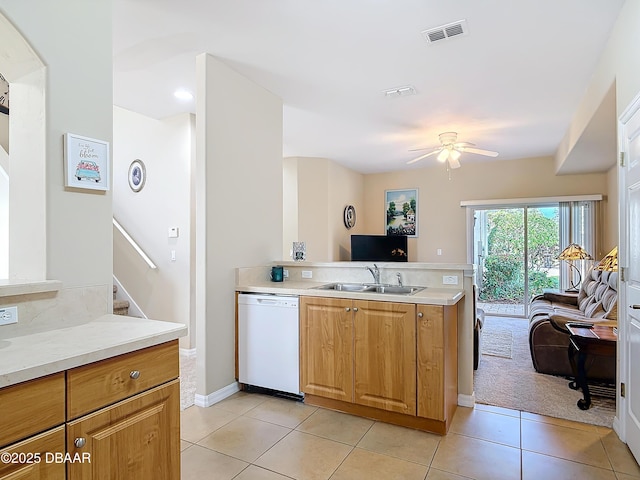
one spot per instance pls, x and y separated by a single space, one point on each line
34 459
138 438
31 407
99 384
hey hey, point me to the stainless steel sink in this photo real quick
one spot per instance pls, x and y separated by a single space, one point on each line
368 288
349 287
398 289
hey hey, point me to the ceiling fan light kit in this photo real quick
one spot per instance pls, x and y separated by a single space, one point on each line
450 150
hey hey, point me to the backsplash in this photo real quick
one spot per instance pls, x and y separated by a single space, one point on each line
38 312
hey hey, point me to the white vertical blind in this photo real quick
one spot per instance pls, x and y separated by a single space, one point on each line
578 224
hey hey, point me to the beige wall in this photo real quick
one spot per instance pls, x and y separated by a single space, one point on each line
165 201
321 189
78 80
346 187
442 222
238 205
611 220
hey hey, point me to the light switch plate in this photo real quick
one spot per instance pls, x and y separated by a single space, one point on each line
8 315
307 274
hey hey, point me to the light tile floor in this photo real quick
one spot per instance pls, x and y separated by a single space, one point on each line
257 437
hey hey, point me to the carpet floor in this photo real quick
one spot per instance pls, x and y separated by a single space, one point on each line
506 378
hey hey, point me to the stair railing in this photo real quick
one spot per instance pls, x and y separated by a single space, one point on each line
134 244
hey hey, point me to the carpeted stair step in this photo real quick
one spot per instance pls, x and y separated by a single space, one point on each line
121 307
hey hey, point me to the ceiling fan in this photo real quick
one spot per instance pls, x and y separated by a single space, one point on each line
450 150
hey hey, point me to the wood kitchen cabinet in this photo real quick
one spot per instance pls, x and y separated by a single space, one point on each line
326 347
136 438
359 351
37 457
437 352
117 418
385 355
395 362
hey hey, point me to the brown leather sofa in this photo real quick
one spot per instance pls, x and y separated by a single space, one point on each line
596 301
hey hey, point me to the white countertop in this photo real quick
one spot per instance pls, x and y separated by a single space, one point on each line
431 296
39 354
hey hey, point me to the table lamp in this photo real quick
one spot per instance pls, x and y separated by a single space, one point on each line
570 254
610 261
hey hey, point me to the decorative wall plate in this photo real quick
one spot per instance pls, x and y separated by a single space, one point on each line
349 216
137 175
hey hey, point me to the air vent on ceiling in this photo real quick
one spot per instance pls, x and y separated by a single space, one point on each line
400 91
444 32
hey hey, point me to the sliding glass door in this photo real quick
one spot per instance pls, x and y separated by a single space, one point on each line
515 250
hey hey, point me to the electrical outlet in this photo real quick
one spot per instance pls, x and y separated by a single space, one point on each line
307 274
285 273
8 315
450 279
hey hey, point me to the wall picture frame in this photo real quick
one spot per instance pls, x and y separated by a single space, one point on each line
401 212
137 175
86 162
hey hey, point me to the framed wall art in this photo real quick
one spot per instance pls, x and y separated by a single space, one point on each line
401 211
86 162
137 175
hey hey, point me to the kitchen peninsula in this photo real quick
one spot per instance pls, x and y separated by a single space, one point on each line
89 389
377 353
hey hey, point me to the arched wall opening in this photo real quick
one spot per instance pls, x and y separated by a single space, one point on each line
24 252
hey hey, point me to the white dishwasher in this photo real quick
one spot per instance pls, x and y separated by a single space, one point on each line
268 342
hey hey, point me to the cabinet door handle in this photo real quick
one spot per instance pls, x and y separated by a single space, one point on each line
634 307
420 315
355 309
347 309
80 442
135 374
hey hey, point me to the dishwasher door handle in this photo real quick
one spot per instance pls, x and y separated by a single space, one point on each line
264 301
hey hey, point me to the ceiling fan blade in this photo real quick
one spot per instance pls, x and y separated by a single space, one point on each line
460 145
423 156
454 163
425 148
479 151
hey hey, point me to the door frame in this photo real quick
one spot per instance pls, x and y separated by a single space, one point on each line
620 420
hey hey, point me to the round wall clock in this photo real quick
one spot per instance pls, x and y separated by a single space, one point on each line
137 175
349 216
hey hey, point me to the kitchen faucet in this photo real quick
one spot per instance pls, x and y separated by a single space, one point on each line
399 279
375 271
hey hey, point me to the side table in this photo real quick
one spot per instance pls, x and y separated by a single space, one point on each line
598 340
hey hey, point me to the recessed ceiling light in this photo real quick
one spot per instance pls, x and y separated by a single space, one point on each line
183 95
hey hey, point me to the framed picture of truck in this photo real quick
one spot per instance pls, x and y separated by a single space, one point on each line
86 162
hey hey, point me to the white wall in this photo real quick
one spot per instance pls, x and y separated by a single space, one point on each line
73 39
164 201
238 205
4 216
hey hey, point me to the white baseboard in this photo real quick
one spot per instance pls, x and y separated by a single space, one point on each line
217 396
467 400
188 352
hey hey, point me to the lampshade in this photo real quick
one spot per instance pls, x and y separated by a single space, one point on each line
443 155
574 252
610 261
454 154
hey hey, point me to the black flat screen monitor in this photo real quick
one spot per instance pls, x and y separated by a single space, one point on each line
378 248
